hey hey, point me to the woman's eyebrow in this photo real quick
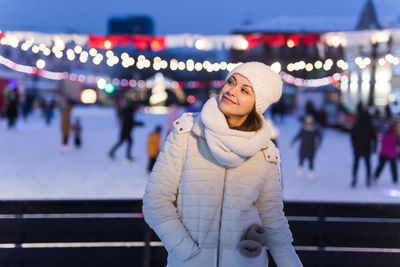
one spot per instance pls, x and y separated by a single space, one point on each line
249 87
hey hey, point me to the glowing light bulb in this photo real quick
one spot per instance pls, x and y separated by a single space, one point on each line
93 52
318 64
35 49
101 83
223 65
109 54
40 63
200 44
243 45
309 67
124 56
78 49
88 96
198 66
107 44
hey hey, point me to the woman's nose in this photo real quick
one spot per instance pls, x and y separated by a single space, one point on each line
232 90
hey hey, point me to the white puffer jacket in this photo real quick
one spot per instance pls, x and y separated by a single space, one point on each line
200 209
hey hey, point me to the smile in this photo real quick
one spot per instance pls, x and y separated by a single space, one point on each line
228 100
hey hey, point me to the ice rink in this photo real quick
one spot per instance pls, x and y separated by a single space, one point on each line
33 167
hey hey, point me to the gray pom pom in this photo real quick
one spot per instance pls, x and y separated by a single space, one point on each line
249 248
256 233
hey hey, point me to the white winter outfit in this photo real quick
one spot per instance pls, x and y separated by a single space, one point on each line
209 185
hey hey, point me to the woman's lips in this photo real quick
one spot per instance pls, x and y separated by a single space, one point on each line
228 100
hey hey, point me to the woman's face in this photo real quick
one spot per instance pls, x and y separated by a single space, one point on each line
236 99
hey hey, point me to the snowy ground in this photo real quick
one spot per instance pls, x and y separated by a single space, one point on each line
33 167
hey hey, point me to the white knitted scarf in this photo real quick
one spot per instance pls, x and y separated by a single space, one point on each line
230 147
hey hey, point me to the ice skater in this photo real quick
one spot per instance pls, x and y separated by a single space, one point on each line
65 125
310 140
77 128
389 142
363 140
128 123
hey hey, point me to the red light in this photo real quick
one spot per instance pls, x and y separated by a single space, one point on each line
191 99
155 45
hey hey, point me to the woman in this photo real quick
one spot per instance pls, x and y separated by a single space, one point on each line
218 177
388 152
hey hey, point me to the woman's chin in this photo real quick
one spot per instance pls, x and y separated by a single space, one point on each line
224 107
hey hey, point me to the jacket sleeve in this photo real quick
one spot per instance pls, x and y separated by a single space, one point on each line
159 200
270 207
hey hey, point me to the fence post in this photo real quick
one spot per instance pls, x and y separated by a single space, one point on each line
147 249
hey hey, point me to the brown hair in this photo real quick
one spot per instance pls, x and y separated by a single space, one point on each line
252 123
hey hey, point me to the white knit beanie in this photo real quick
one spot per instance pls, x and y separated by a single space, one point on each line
266 83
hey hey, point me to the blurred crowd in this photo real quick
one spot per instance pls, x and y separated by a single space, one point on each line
371 130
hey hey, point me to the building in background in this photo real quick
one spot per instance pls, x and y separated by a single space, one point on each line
313 47
131 25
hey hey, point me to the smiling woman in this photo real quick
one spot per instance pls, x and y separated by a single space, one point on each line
236 100
215 196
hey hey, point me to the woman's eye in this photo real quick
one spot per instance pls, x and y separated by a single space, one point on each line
229 81
244 91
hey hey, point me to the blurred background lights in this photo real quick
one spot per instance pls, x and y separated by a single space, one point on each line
198 66
109 88
101 83
181 65
290 67
35 49
290 43
88 96
40 63
318 65
107 44
200 44
78 49
276 66
124 56
223 65
191 99
335 40
244 44
109 54
92 52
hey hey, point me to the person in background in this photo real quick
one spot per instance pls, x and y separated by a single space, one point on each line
12 101
47 104
363 140
153 147
310 140
77 128
128 123
389 142
214 197
65 124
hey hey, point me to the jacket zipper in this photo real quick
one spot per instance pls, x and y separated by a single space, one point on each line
220 218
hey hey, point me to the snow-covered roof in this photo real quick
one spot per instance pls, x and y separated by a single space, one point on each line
309 24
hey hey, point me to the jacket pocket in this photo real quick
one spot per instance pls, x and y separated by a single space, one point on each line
206 257
233 258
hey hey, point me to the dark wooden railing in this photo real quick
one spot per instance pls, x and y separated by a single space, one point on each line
113 233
